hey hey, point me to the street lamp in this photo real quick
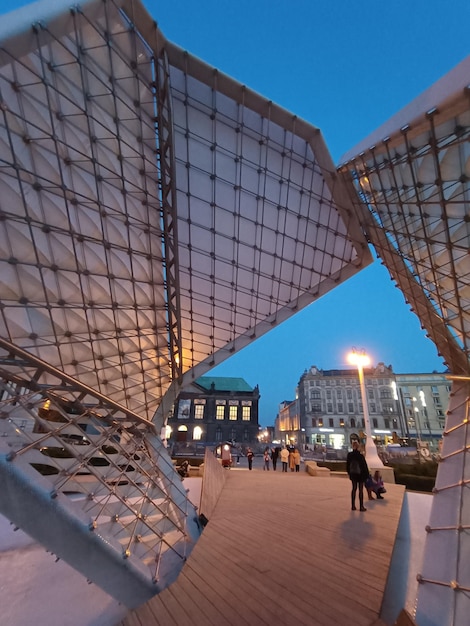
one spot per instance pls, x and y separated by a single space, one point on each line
360 359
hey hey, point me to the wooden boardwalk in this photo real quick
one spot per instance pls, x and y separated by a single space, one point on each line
283 549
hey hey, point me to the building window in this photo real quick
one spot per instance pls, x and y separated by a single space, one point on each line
316 407
329 408
233 411
314 422
385 394
184 407
353 422
320 422
370 394
349 394
341 423
218 434
340 407
198 411
373 408
220 411
331 422
197 433
350 407
328 394
387 423
246 413
374 422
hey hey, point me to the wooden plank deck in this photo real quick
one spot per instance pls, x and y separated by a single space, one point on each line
285 549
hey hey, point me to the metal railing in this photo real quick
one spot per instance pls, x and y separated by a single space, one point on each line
90 480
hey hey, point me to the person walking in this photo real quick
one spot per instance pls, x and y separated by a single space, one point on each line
356 467
249 456
297 460
266 457
284 458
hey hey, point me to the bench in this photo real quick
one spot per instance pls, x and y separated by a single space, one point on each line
312 468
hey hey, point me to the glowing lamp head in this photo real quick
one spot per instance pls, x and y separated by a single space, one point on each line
360 359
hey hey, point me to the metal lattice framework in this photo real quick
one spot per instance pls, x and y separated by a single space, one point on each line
155 217
413 193
90 480
411 184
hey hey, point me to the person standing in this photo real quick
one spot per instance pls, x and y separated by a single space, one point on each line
275 456
356 467
291 460
284 458
249 456
266 459
297 460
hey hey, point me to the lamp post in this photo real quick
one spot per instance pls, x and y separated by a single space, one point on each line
360 359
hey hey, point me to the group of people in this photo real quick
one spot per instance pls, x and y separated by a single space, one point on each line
358 471
288 457
356 467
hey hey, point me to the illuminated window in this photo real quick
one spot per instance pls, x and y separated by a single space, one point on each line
220 412
198 411
233 412
197 433
246 413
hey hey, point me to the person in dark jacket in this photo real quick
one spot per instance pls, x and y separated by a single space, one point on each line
249 456
356 466
275 456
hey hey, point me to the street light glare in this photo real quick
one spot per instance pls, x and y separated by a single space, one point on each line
357 358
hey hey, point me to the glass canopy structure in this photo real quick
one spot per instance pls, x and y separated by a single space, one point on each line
411 182
156 216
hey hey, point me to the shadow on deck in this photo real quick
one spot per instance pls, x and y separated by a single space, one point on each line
283 548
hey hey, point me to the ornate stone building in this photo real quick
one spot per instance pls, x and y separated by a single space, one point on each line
215 409
406 407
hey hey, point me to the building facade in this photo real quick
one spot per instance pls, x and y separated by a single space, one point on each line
288 427
402 407
215 409
424 400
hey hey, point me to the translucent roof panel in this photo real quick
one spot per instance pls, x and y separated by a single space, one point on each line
155 216
414 182
258 226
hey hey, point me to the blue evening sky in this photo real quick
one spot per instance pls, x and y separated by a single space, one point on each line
345 67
